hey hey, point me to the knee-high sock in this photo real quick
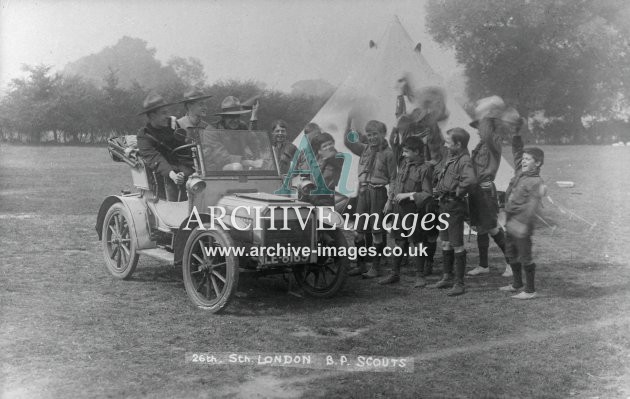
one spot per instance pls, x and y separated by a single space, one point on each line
448 259
499 239
530 274
460 267
483 242
359 242
517 275
431 248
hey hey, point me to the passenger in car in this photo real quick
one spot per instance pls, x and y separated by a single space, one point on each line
283 150
196 110
235 150
156 141
329 165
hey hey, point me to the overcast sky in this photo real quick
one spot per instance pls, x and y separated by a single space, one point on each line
274 41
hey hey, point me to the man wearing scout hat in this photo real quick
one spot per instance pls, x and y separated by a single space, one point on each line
156 140
196 109
235 150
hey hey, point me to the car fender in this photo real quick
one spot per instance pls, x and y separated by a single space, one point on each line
139 218
181 236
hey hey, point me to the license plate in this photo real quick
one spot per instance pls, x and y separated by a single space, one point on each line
287 260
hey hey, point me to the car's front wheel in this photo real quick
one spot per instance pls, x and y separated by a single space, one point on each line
210 277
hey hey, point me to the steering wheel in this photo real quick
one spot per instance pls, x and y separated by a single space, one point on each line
179 151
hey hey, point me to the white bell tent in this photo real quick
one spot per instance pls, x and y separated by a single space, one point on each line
370 92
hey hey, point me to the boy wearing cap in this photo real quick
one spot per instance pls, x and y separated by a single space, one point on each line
523 197
454 182
377 169
156 140
409 194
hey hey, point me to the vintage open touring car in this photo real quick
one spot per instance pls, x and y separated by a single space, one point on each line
147 223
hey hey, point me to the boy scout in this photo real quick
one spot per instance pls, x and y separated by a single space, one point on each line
455 181
377 169
524 195
409 194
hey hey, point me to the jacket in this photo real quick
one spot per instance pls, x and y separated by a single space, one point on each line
486 156
284 155
155 146
414 177
377 165
524 195
331 172
458 177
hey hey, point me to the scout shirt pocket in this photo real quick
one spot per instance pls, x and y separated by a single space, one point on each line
450 179
481 156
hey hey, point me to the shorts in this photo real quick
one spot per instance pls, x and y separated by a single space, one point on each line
456 209
483 209
398 229
371 201
518 250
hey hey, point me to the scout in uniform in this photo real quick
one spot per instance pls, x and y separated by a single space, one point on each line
524 196
492 117
409 194
377 169
422 122
329 165
156 140
234 148
196 110
455 181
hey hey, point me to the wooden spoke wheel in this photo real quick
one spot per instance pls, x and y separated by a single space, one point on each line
210 278
119 249
325 278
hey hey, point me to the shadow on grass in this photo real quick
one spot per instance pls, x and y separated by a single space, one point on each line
273 294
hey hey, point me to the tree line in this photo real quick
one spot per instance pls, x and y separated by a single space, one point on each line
46 107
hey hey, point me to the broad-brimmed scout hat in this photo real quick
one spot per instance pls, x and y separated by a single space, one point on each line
232 106
194 94
153 102
494 107
431 102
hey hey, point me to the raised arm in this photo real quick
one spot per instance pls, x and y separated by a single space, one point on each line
517 148
357 147
489 136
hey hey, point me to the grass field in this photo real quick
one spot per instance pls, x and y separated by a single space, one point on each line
68 329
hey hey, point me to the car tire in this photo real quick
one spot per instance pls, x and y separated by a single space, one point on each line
326 278
119 249
210 280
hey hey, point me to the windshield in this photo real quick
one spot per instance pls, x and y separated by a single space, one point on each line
236 152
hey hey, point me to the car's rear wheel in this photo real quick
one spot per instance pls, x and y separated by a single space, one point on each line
119 250
325 279
210 278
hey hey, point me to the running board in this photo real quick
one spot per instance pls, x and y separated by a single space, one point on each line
159 253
